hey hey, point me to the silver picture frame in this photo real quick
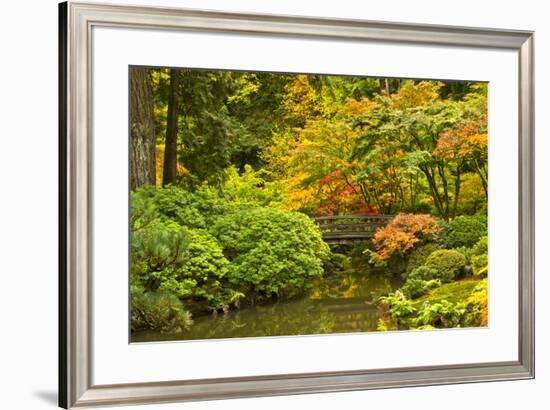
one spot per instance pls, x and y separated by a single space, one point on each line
76 21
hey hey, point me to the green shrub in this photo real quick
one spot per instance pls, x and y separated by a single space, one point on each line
174 204
251 188
444 314
161 312
418 256
479 265
201 276
480 260
481 247
188 263
464 231
142 210
424 273
337 262
155 251
414 288
448 264
467 252
273 252
400 308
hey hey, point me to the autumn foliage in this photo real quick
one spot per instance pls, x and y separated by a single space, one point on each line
402 233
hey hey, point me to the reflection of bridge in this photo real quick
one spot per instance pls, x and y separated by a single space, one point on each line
348 228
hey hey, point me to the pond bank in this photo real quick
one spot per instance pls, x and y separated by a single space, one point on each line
344 302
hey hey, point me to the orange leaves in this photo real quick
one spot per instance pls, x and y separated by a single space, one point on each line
402 233
461 141
354 108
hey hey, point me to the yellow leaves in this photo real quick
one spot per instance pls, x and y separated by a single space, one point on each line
355 108
412 95
299 100
480 297
464 139
472 195
299 199
159 164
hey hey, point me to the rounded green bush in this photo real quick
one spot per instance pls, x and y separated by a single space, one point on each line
447 262
418 256
272 252
464 231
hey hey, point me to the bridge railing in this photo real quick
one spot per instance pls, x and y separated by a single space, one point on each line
350 227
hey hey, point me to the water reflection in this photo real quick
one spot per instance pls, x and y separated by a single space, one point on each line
340 303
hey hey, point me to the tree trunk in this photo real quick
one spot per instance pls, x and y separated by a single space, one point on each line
169 175
432 184
142 132
441 171
457 190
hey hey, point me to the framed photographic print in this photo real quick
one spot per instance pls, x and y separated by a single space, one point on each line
295 199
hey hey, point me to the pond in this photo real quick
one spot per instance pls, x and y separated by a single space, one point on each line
340 303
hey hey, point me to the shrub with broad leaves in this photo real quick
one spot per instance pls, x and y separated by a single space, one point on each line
399 307
443 314
272 252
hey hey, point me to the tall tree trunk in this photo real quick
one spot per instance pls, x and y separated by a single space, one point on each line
142 131
482 172
169 175
457 190
441 171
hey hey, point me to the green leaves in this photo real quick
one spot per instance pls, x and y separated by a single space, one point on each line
464 231
414 287
443 314
214 252
157 311
272 252
448 264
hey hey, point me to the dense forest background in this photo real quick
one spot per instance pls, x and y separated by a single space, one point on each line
326 144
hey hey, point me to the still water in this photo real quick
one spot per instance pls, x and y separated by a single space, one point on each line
340 303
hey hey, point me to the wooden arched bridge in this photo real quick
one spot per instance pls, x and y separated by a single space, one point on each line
350 228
